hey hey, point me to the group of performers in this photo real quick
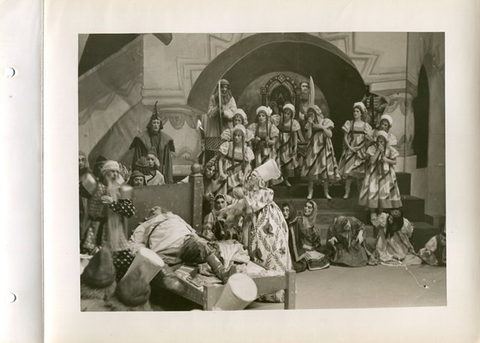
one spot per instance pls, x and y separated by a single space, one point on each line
302 146
239 203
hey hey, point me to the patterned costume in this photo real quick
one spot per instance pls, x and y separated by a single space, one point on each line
353 164
261 149
319 162
235 166
379 188
286 147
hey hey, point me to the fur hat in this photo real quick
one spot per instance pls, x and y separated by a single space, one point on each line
133 290
224 82
100 272
136 173
142 162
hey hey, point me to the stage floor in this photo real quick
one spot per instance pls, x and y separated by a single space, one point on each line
342 287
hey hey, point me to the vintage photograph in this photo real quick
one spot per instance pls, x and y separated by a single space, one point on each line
261 171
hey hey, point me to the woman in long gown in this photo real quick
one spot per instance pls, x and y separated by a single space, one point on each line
234 163
357 133
265 136
289 129
379 189
319 163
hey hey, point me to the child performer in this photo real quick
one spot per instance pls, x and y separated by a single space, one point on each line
379 189
319 163
352 163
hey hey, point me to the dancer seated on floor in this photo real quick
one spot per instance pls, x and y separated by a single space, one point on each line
304 238
175 241
435 251
393 246
346 242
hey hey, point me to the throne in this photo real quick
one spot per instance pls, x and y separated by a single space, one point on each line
279 90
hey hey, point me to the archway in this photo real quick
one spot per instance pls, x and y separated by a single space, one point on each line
421 109
332 70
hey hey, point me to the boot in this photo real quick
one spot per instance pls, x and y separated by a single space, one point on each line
325 190
166 279
348 186
219 269
310 190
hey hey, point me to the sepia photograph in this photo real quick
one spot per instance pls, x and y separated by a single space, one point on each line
261 171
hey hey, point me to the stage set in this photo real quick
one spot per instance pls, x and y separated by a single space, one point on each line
129 82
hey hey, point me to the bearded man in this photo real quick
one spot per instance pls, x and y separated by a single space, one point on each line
304 99
106 209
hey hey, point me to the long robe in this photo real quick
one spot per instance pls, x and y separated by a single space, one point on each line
347 250
397 248
379 187
161 145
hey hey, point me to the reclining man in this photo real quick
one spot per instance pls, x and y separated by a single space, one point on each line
175 241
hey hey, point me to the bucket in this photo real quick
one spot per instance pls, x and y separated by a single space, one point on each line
149 261
239 291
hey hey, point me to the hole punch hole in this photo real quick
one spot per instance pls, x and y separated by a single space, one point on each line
10 297
9 72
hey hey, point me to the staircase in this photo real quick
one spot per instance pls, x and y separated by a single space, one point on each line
413 207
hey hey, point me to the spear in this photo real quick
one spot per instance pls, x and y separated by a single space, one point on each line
220 106
312 92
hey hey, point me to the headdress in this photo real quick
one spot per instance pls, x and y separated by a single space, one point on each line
361 106
242 113
239 127
383 134
264 109
290 107
387 118
155 116
111 165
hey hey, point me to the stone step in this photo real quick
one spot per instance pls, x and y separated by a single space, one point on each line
413 207
299 187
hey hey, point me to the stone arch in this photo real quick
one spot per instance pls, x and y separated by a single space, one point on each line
332 70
